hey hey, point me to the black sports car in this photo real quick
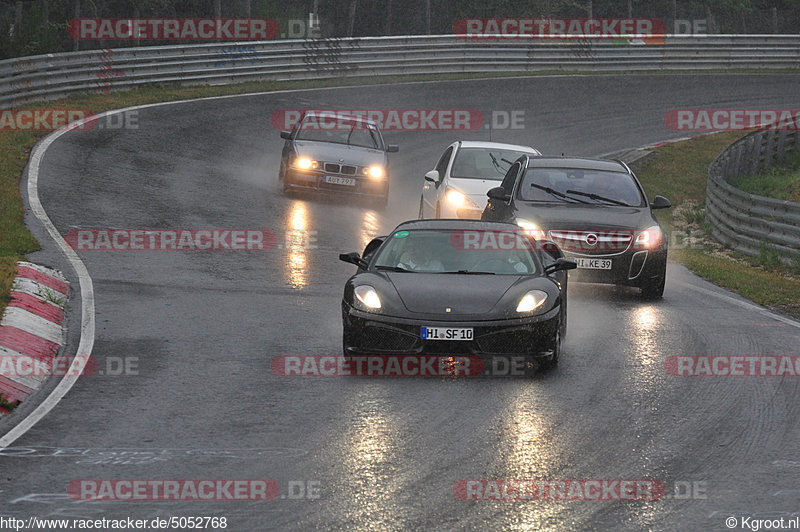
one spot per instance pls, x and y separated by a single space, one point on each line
456 287
336 153
595 210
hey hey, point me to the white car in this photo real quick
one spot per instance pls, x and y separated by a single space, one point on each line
466 171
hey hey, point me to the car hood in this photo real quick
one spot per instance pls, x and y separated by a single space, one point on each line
353 155
463 294
585 217
476 189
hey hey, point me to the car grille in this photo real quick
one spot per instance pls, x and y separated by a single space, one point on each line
381 338
592 242
507 343
345 169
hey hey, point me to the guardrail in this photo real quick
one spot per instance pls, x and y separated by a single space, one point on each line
54 75
745 222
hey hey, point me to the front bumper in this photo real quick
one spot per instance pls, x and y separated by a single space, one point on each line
312 180
631 268
373 334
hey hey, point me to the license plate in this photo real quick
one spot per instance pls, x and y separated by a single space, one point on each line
447 333
594 264
336 180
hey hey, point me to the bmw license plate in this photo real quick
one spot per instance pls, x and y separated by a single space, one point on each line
447 333
336 180
594 264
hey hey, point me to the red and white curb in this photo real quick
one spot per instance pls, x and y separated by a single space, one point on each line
31 330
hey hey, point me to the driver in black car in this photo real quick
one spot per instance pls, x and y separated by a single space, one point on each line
417 257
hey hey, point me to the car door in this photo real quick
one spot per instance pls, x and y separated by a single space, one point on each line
498 210
431 191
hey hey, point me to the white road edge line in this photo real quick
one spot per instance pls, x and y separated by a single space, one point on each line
87 295
744 304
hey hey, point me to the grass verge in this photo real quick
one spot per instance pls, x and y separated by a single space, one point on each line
679 171
781 181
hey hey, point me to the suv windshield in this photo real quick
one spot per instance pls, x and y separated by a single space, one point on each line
579 186
483 163
458 251
339 130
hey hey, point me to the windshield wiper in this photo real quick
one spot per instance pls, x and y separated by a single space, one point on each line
469 272
393 269
598 197
558 194
495 163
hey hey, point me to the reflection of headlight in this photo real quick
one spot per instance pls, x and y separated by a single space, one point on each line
375 172
304 163
459 199
531 229
531 301
649 238
368 297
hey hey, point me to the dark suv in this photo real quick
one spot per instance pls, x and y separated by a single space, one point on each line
597 213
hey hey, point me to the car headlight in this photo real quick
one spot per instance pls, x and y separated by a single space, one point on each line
459 199
304 163
531 229
650 238
374 171
532 301
368 297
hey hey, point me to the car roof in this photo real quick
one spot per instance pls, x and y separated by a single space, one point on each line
455 224
498 145
584 163
343 116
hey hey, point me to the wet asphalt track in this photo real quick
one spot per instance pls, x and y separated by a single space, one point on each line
204 327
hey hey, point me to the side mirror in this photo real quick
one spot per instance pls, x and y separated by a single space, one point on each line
432 176
497 193
660 202
560 264
392 148
286 135
374 244
353 258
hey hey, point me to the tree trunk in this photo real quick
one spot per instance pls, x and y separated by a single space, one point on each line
774 20
351 23
427 17
630 8
387 29
674 12
76 13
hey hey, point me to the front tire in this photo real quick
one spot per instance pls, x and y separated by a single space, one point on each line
654 289
555 347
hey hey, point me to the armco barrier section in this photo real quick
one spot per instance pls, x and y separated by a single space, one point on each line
745 222
54 75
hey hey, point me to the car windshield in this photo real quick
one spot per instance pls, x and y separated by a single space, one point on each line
458 251
339 130
573 185
483 163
